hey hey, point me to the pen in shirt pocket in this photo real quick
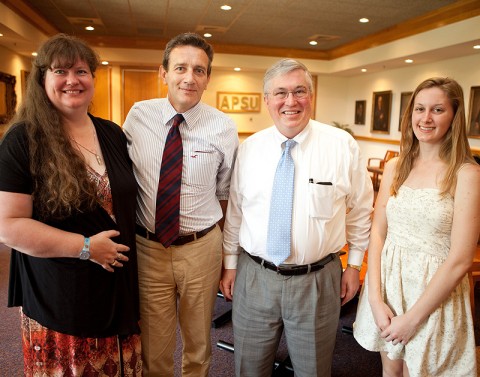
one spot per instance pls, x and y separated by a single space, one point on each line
320 183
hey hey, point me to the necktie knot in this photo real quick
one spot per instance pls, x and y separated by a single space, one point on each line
289 144
177 120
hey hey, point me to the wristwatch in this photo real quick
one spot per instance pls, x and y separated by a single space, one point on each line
358 268
85 253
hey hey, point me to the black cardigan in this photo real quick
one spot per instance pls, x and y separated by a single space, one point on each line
70 295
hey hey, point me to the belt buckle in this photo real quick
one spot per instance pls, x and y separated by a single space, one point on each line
285 271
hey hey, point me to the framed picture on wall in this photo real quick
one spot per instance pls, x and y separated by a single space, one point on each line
8 97
474 112
360 107
381 107
24 77
404 98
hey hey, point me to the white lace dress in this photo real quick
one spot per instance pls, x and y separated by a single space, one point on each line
417 243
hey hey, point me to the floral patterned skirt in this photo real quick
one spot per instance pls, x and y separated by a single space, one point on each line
53 354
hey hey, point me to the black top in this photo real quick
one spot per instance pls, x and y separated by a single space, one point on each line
70 295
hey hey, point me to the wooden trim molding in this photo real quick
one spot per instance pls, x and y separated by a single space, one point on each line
377 140
458 11
244 135
23 9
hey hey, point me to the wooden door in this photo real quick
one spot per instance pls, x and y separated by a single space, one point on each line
140 84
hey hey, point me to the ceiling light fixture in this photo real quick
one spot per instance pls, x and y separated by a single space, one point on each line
207 35
408 61
105 62
34 54
1 35
89 28
237 69
313 43
363 20
476 47
225 7
364 70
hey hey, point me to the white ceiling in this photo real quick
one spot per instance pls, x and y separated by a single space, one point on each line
256 27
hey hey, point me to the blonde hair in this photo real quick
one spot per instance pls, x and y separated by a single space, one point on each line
454 150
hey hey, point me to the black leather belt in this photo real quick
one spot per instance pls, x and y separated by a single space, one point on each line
181 240
295 269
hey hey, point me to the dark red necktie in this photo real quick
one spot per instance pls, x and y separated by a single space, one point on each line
167 218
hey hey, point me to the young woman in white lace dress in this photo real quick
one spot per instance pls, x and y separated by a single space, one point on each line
415 308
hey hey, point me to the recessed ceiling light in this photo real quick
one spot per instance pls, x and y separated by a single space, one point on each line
313 43
104 62
364 70
408 61
363 20
34 54
225 7
1 35
476 47
89 28
238 69
207 35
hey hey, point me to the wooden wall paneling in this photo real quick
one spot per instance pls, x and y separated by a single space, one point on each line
102 100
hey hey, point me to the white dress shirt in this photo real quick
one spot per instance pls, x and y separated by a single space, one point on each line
333 196
210 141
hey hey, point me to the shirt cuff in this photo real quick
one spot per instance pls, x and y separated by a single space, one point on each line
355 257
220 196
230 261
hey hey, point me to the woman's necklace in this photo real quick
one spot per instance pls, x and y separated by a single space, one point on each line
97 156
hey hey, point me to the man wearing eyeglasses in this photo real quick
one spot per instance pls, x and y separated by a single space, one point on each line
299 191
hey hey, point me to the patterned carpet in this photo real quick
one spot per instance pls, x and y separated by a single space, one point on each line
349 358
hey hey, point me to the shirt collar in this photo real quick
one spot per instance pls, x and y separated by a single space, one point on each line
300 138
191 116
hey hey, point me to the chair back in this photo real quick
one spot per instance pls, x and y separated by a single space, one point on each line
388 155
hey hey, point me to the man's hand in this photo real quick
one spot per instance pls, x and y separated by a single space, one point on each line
227 283
350 284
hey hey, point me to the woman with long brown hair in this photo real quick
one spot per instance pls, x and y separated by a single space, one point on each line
68 212
415 306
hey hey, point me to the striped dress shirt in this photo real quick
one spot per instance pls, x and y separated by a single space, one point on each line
210 142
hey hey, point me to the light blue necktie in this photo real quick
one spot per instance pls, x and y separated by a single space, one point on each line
281 206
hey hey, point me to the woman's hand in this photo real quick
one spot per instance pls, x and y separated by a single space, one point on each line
106 252
401 330
382 314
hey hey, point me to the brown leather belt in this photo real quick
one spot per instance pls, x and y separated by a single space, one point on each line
295 269
181 240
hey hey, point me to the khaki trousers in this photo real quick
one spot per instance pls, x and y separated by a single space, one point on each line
179 283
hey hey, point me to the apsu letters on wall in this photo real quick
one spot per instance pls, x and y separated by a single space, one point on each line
230 102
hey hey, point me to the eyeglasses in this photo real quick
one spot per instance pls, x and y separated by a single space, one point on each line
283 94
